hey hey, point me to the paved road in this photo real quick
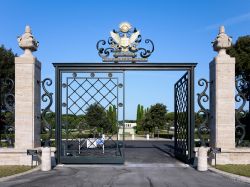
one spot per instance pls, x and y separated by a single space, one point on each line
147 165
149 152
143 175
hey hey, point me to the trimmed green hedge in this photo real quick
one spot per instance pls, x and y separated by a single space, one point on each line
166 136
8 135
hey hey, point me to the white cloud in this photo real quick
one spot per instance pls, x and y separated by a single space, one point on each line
230 21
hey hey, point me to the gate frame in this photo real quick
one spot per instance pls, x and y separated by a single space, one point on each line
188 67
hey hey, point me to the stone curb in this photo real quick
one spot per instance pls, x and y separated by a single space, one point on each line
230 175
20 174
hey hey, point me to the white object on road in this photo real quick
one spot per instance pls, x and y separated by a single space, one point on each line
94 142
100 141
133 137
91 143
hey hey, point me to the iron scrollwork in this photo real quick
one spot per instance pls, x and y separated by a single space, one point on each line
7 112
240 97
203 129
123 45
145 53
104 52
47 97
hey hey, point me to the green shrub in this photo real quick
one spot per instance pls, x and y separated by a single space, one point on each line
166 136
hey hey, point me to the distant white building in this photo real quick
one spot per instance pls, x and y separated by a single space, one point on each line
128 128
129 125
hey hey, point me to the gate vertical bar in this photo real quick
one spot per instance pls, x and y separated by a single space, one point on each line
175 117
123 122
57 111
191 114
117 116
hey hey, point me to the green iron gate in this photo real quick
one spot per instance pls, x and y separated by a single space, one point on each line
184 118
80 85
89 116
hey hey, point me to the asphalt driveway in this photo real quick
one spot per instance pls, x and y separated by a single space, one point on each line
153 151
132 175
148 164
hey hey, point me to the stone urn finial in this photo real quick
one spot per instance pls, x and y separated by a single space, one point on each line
222 42
27 42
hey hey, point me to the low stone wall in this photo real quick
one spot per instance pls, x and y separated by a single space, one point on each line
227 156
12 156
231 156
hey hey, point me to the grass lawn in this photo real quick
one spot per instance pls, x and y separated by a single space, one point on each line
11 170
243 170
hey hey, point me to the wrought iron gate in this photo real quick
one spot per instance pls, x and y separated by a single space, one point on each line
90 116
7 113
81 85
184 118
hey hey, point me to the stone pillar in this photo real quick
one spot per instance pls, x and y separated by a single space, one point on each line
202 158
27 94
222 103
46 159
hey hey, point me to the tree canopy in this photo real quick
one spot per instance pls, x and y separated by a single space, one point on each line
112 117
96 117
241 51
155 117
7 58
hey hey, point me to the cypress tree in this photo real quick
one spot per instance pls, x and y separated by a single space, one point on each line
142 112
138 113
114 116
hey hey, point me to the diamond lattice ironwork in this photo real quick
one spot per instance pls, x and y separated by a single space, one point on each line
79 92
82 92
181 117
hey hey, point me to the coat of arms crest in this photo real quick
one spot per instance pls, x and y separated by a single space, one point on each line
124 45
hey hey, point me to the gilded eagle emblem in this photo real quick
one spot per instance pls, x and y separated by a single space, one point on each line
125 42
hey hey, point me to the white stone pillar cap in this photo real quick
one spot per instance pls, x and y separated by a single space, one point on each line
222 42
27 42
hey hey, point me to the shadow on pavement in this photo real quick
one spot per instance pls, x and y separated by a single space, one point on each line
152 151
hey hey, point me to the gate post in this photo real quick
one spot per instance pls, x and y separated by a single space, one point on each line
222 88
27 94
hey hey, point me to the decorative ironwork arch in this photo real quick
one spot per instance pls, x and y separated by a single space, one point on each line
123 44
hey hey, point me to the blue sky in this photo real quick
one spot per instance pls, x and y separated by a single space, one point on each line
182 31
